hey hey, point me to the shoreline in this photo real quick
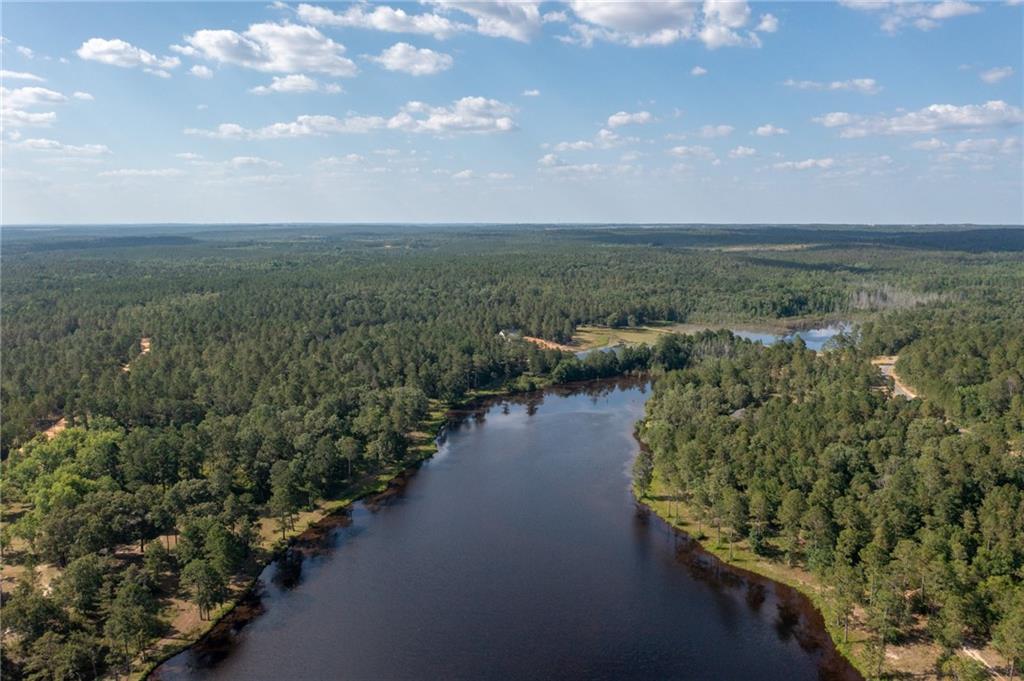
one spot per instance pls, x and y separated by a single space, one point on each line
704 560
810 630
659 503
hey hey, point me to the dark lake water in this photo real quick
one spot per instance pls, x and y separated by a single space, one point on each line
518 552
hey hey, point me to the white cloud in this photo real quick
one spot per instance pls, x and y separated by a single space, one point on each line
742 152
295 83
712 131
931 119
270 47
26 52
896 14
496 18
834 119
381 18
43 144
409 59
578 145
698 71
200 71
807 164
143 172
346 160
769 24
867 86
515 19
994 75
13 105
82 96
469 114
633 24
117 52
20 75
929 144
189 156
604 139
623 118
240 162
498 177
769 130
698 151
466 115
531 93
717 23
463 175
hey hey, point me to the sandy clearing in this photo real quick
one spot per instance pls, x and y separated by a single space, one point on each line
549 345
145 343
887 365
58 427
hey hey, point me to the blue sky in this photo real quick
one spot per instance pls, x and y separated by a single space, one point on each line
873 112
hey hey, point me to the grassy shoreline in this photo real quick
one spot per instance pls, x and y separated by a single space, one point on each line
910 661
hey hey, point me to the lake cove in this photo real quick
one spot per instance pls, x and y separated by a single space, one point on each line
596 338
518 551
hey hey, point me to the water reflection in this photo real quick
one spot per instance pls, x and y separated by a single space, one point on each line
517 552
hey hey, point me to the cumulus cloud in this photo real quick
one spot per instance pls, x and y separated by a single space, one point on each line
621 118
742 152
697 151
994 75
270 47
769 130
896 15
466 115
463 175
20 75
698 71
867 86
807 164
415 61
768 24
200 71
931 119
716 23
143 173
498 18
49 145
514 19
712 131
531 93
295 83
929 145
381 18
117 52
15 104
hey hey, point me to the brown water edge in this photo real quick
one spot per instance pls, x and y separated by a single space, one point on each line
798 618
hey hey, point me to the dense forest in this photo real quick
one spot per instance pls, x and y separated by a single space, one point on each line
212 378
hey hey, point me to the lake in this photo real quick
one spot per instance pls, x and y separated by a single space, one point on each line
518 552
814 338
